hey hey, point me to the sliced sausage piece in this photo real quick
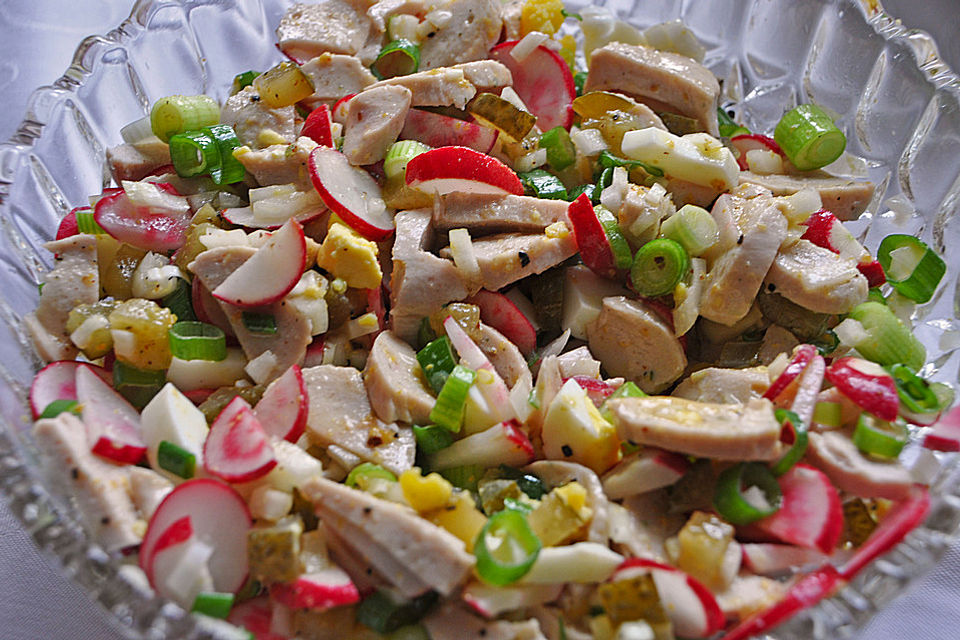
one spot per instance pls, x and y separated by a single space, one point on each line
421 283
256 124
508 257
148 489
334 76
380 11
454 622
395 385
486 75
374 120
412 553
128 162
632 341
817 279
665 81
74 280
473 28
844 198
834 453
503 355
746 431
736 275
724 386
484 213
340 414
102 489
335 26
444 87
280 163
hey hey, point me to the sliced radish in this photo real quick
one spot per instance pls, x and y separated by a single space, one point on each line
495 390
314 355
750 142
944 436
68 224
351 193
811 515
807 391
58 381
255 616
318 126
644 471
490 601
690 605
500 313
113 425
180 571
438 130
320 590
543 81
271 273
598 390
151 228
208 309
339 111
900 520
237 448
867 384
826 230
219 518
447 169
592 241
806 592
504 443
282 411
873 272
766 558
801 358
378 308
244 217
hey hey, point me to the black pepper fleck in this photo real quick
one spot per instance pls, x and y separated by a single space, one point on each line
483 632
75 473
367 511
105 520
740 239
771 287
567 451
431 34
524 258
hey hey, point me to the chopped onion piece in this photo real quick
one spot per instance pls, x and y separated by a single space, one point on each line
82 334
589 142
764 161
461 248
612 196
260 367
531 161
528 44
851 333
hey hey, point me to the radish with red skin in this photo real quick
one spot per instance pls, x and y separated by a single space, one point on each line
806 592
145 228
339 111
826 230
500 313
113 425
255 616
490 601
945 433
314 354
689 605
321 590
176 533
68 224
438 130
350 193
219 517
244 217
543 81
873 272
503 443
282 411
376 306
750 142
270 273
197 396
597 390
867 384
58 381
207 309
902 518
447 169
591 239
801 358
810 516
765 558
237 448
318 127
647 470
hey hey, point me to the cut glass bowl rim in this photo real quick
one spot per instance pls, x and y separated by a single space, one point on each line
54 526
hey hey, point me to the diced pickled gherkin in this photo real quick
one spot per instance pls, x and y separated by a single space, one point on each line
274 552
397 195
148 323
303 507
701 548
613 125
339 308
116 279
503 116
858 521
547 298
679 125
694 490
633 598
494 491
216 401
561 515
99 342
283 85
466 315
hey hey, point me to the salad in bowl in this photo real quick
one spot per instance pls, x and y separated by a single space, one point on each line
486 319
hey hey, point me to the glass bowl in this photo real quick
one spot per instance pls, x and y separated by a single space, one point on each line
893 96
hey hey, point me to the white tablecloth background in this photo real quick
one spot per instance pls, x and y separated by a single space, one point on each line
37 39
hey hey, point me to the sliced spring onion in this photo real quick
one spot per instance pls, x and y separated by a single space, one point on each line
505 548
627 390
437 361
385 612
876 295
176 459
916 394
229 170
658 266
398 58
879 437
259 322
530 484
193 340
791 423
603 181
560 150
432 438
86 222
579 78
735 501
809 137
911 267
542 184
451 401
827 342
179 301
194 153
283 85
399 154
138 386
361 474
588 189
213 604
622 258
829 414
693 227
466 477
609 161
888 340
179 114
728 127
243 80
57 407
